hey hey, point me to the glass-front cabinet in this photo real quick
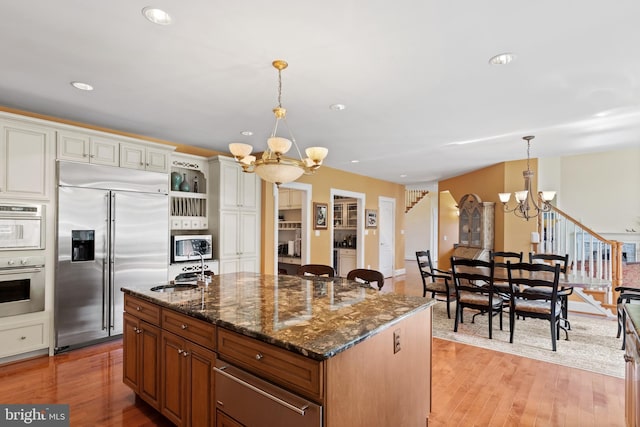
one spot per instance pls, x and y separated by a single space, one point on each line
476 222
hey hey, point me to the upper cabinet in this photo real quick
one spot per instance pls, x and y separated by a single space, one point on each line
102 149
289 199
143 157
88 149
234 215
188 184
345 214
26 153
476 222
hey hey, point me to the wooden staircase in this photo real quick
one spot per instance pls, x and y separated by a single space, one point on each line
591 255
412 197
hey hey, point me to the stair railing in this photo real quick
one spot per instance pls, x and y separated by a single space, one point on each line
412 197
590 254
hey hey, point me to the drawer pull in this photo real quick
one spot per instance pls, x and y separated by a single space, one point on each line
138 308
276 399
628 358
184 326
219 403
259 356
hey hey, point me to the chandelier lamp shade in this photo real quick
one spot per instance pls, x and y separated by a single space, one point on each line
526 206
273 166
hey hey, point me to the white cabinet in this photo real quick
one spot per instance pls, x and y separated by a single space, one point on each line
22 334
347 261
189 208
88 149
26 160
138 156
240 188
289 199
234 217
345 215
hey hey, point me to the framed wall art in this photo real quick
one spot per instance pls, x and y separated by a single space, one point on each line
371 218
320 216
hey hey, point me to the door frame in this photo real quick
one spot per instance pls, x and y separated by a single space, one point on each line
392 234
360 200
305 235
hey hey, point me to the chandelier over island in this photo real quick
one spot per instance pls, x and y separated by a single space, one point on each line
273 166
527 207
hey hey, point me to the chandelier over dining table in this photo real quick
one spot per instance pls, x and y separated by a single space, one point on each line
527 207
273 165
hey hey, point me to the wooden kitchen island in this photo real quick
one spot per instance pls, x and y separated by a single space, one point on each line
262 350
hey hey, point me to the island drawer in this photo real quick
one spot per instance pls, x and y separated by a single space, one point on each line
283 367
195 330
141 309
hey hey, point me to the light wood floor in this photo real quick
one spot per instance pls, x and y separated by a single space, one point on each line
471 386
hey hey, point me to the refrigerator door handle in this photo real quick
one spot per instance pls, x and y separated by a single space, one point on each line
112 260
105 265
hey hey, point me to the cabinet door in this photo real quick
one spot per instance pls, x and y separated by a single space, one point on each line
249 190
132 156
130 352
283 198
157 160
26 157
248 233
149 363
201 399
223 420
229 185
229 265
173 375
73 146
295 199
105 152
229 234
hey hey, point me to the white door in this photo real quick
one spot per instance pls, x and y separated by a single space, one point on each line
386 230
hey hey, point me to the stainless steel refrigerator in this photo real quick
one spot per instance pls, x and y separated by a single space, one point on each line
113 230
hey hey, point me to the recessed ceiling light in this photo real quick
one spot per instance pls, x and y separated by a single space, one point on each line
502 59
337 107
82 86
355 161
157 16
246 133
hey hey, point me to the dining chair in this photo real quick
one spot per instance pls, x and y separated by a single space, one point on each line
534 293
473 282
316 270
438 282
563 261
500 261
367 276
627 294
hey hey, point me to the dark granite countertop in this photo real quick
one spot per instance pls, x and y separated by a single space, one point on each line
317 317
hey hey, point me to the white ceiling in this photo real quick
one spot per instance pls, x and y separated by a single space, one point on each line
421 98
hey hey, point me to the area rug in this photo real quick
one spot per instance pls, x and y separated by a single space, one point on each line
592 344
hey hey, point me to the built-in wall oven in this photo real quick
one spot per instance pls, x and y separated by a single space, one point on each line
21 227
21 285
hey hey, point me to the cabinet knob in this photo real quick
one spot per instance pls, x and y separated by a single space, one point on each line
138 308
185 353
184 326
259 356
23 338
138 331
628 358
179 351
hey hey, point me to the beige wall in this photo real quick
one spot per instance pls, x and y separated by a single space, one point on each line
321 246
511 233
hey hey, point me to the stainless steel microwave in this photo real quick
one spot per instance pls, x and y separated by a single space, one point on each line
21 227
189 247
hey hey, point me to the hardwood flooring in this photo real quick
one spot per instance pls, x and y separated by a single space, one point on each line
471 386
